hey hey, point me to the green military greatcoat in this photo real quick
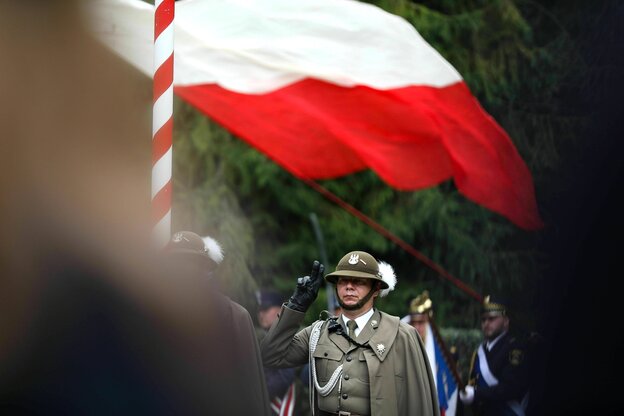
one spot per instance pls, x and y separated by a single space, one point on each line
391 378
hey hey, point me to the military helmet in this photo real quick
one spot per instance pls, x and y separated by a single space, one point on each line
269 298
357 264
493 306
190 244
421 305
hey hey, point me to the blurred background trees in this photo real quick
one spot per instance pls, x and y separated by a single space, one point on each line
518 57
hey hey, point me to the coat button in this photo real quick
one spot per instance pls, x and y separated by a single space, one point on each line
346 377
345 396
325 354
349 358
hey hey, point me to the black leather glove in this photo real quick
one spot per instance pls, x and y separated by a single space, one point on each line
307 289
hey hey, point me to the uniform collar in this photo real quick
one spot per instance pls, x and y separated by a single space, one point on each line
380 333
489 345
361 321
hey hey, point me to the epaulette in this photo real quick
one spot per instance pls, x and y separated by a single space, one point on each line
516 357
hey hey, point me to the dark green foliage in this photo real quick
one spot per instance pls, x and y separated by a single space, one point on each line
515 56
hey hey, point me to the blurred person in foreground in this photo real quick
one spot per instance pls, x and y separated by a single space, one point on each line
280 381
90 320
364 362
499 371
189 256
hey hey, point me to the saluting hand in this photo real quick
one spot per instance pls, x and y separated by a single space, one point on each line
307 289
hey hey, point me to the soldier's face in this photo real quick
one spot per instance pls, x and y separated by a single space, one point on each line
420 323
494 325
351 290
267 316
187 267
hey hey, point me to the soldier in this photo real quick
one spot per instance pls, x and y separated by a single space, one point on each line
499 373
421 309
364 362
269 306
442 361
279 381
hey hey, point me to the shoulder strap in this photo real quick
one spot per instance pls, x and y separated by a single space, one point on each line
489 378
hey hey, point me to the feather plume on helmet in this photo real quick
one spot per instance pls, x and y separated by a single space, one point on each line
213 249
388 276
190 244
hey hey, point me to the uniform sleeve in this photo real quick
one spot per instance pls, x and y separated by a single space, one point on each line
283 346
512 382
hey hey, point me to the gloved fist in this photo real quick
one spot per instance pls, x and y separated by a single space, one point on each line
307 289
467 395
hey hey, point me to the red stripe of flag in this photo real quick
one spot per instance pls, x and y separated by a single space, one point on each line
413 137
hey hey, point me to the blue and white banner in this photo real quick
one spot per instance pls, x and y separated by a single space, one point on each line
445 383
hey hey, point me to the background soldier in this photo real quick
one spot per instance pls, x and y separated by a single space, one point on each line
278 380
364 362
499 372
421 308
269 305
442 360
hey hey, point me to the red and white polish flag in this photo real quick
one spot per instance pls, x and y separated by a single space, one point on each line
326 88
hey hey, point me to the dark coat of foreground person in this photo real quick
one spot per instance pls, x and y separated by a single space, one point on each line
91 350
90 323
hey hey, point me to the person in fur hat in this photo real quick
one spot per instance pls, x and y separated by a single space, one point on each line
363 362
234 373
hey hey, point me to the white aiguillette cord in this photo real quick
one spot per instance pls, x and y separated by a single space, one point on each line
333 380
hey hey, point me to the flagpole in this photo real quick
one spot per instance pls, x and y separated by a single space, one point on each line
329 288
162 120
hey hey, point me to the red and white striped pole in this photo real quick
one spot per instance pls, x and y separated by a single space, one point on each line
162 122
